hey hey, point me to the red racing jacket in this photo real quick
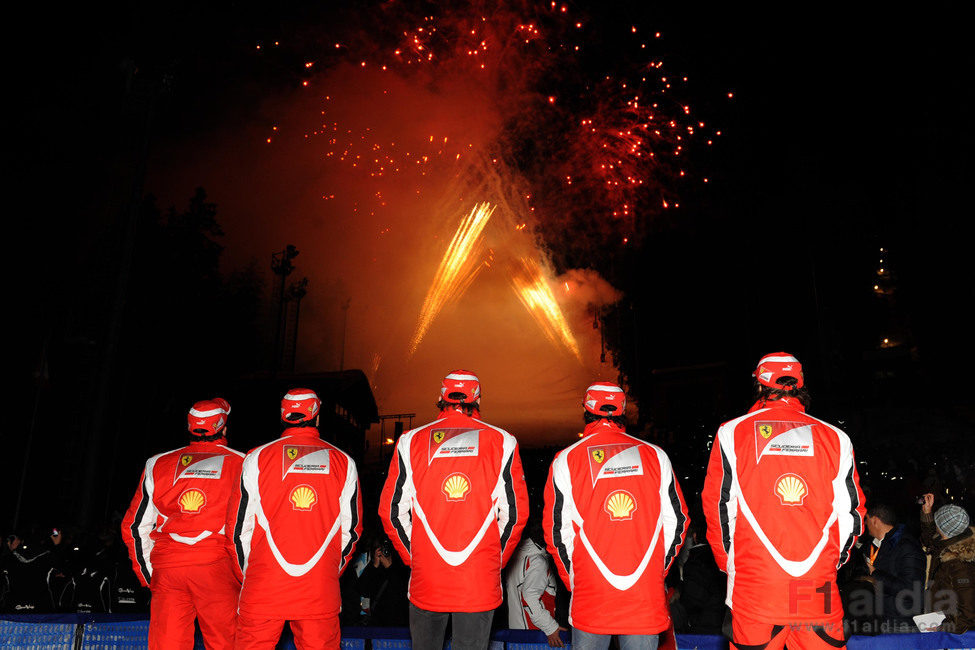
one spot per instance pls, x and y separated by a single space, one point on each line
296 523
178 515
454 505
783 505
614 521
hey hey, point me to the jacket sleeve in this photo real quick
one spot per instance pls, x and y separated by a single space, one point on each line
537 577
558 516
929 533
396 501
848 500
247 499
511 495
718 499
138 524
673 510
350 508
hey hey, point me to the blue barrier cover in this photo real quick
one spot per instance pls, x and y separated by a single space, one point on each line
125 631
701 642
127 635
27 634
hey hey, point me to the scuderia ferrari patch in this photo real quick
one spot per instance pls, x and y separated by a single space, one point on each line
453 443
614 461
304 459
199 465
783 439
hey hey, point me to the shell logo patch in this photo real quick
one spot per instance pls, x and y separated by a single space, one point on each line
186 459
765 430
456 486
191 501
620 505
791 489
438 436
292 452
303 498
598 455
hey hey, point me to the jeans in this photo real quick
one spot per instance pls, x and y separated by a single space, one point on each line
588 641
470 631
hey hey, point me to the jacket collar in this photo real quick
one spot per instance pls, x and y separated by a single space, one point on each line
959 547
309 432
602 426
782 402
451 413
208 444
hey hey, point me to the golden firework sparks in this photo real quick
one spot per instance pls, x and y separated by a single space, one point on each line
456 271
533 289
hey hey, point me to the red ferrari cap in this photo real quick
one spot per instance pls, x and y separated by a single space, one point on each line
603 398
207 417
461 387
300 405
773 367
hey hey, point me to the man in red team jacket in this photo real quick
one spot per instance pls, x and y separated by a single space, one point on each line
783 504
177 536
614 520
454 505
296 524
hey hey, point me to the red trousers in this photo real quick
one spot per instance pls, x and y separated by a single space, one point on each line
180 594
755 635
310 633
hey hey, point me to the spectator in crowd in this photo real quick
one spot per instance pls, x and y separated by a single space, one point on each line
701 586
297 521
895 564
784 507
614 522
382 587
96 574
531 587
454 505
353 606
177 534
32 571
949 539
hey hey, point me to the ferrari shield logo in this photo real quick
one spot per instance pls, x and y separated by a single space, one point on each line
765 430
438 436
598 455
292 452
186 459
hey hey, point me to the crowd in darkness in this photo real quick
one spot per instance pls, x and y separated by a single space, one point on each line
48 569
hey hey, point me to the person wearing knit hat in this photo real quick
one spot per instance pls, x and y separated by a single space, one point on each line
951 520
946 535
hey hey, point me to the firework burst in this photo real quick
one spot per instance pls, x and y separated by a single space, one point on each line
500 106
457 269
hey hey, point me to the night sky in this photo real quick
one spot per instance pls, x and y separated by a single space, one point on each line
843 132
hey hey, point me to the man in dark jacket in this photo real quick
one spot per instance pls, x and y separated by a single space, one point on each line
702 586
895 564
950 541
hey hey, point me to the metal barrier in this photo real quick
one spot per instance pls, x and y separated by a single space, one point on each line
104 631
